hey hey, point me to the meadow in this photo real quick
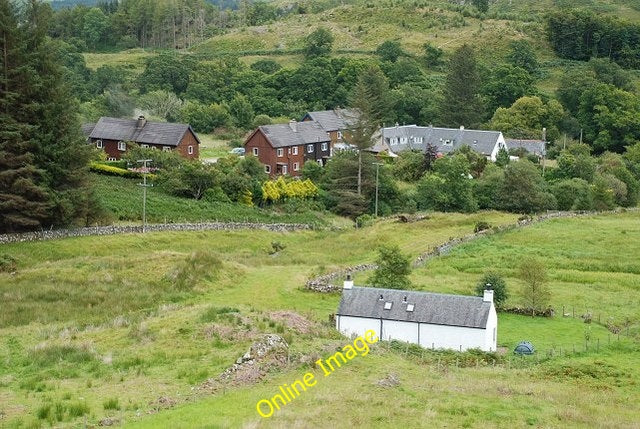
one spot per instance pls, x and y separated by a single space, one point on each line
130 327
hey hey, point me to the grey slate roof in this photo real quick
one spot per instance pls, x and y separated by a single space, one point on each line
161 133
432 308
480 141
283 135
87 129
536 147
334 120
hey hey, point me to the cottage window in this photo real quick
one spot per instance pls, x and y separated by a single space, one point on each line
295 150
166 148
284 169
111 159
410 307
280 153
324 147
154 148
310 148
267 169
340 135
296 166
255 151
144 146
99 144
190 150
403 140
388 305
122 146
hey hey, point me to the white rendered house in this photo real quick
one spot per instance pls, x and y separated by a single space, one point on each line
432 320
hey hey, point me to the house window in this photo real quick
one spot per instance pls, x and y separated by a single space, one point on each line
310 148
324 147
154 148
99 144
122 146
403 140
255 151
284 169
387 305
295 150
190 150
144 146
166 148
296 166
319 162
267 169
111 159
280 153
410 307
339 134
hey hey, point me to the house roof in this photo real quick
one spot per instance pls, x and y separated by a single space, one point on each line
334 120
479 140
536 147
293 134
160 133
88 128
432 308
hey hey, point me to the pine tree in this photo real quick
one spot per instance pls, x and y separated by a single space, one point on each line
23 204
461 103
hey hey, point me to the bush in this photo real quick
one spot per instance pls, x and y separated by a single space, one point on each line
8 264
365 220
481 226
111 404
116 171
498 286
393 269
276 247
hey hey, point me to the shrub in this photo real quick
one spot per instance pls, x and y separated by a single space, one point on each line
365 220
116 171
498 286
111 404
276 247
212 313
393 269
481 226
8 264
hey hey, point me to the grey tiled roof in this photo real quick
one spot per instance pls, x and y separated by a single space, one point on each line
536 147
161 133
334 120
433 308
480 141
87 129
282 135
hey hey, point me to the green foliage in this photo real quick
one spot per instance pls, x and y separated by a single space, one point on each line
481 5
167 71
312 171
505 85
365 220
390 50
162 104
521 54
205 118
488 187
535 293
393 269
432 55
573 194
409 166
111 404
498 285
524 190
448 187
527 116
318 43
502 158
113 171
95 27
242 111
191 179
260 120
282 189
578 165
266 66
8 263
461 102
276 247
481 225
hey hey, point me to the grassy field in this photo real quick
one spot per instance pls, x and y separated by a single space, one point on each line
127 326
123 198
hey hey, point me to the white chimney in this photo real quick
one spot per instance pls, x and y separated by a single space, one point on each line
461 127
348 283
141 122
293 125
488 295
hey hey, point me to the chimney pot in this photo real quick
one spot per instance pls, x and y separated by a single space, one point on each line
348 283
488 295
293 125
141 122
462 127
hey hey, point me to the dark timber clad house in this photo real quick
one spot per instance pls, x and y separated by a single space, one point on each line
113 134
335 122
284 148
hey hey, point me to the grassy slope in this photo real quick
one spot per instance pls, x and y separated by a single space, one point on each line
144 350
123 197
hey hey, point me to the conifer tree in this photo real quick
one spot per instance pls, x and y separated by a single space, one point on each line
461 103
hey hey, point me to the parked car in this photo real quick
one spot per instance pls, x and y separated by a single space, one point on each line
237 151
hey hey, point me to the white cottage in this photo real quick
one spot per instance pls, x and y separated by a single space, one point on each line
432 320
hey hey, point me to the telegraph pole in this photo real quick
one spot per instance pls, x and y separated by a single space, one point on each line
377 164
144 192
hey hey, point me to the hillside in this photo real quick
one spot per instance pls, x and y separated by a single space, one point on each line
114 326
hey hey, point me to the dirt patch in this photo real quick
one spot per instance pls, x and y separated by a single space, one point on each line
293 320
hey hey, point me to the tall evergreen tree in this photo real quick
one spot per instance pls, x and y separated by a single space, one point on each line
461 103
42 152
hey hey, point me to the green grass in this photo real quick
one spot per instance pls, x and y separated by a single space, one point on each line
143 339
123 198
